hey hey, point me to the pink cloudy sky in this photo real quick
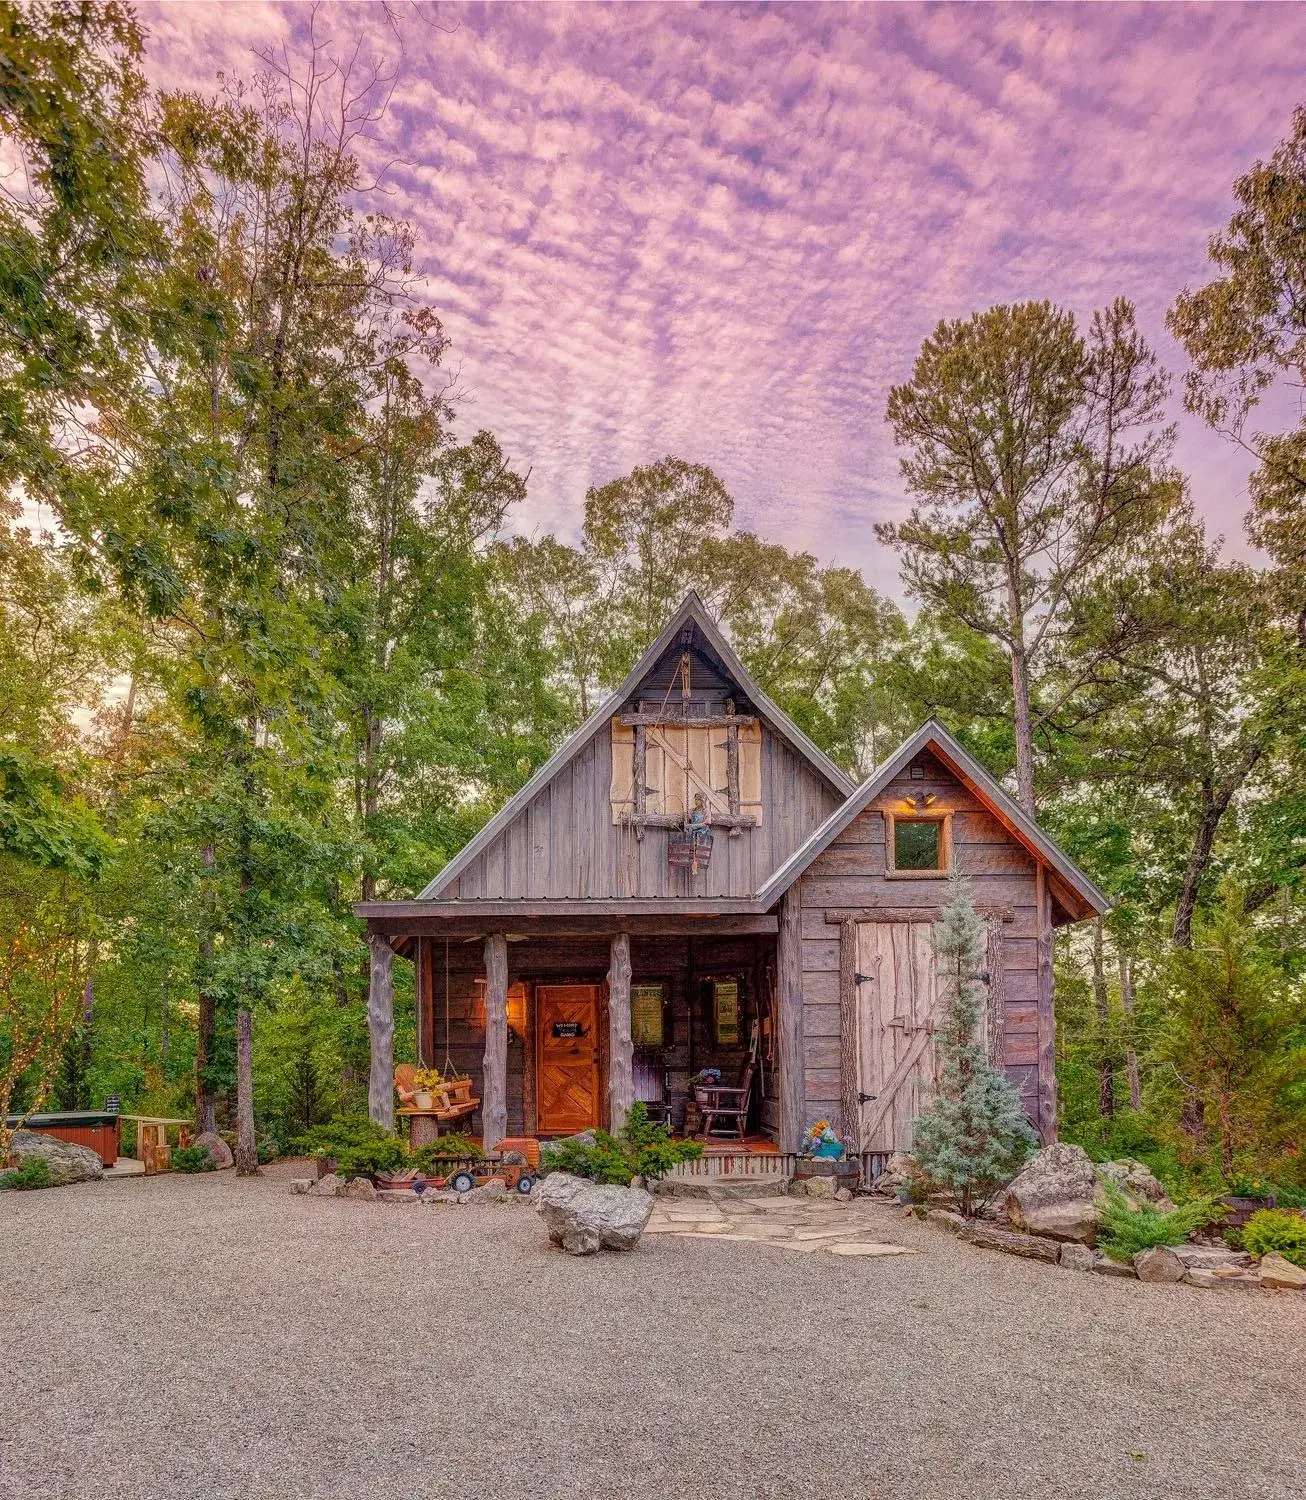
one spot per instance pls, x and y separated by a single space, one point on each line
723 232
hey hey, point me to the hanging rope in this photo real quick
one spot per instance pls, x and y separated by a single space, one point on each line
448 1069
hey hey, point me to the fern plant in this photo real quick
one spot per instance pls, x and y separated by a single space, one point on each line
1123 1231
643 1149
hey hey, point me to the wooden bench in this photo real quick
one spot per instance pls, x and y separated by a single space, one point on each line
452 1100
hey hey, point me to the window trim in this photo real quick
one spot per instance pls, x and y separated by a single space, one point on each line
944 868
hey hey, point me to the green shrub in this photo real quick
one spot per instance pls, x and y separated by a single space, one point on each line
1288 1196
452 1147
642 1149
33 1173
1124 1231
358 1146
1252 1187
1276 1229
192 1159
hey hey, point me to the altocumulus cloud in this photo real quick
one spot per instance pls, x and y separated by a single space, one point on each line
723 232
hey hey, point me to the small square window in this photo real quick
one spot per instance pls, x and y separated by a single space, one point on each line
917 844
646 1015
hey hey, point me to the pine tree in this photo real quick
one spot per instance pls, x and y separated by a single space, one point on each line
974 1135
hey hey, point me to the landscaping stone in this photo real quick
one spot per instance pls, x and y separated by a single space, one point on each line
493 1191
1159 1264
360 1189
1233 1280
328 1186
1278 1272
1137 1181
898 1171
67 1163
1119 1268
1055 1195
1079 1257
219 1152
844 1195
301 1184
1210 1257
1031 1246
820 1187
581 1215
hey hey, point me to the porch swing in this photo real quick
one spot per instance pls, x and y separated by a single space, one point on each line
451 1097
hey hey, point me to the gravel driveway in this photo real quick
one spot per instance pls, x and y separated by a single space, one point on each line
173 1337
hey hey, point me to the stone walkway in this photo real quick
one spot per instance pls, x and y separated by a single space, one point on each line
804 1225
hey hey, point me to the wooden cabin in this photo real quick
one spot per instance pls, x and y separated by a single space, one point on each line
690 883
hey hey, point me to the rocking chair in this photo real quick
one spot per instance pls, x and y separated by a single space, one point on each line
728 1104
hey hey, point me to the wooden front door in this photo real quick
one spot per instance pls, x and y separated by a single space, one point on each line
567 1057
895 1030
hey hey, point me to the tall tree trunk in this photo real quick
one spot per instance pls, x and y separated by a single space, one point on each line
246 1144
1021 721
206 1121
1216 798
1106 1073
1131 1056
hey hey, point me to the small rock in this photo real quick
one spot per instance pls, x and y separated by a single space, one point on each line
898 1172
1136 1180
1210 1257
1158 1265
301 1184
360 1189
637 1181
492 1191
1279 1272
945 1218
328 1186
1108 1267
219 1152
1079 1257
1234 1279
820 1187
844 1195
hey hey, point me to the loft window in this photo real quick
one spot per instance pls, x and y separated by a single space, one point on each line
647 1015
920 845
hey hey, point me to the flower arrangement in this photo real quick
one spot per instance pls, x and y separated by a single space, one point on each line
427 1078
703 1080
821 1140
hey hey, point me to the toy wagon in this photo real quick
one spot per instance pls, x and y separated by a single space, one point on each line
466 1173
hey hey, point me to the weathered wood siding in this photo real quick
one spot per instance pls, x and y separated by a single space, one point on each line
563 844
680 963
849 879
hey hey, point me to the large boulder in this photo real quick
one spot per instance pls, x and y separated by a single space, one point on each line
1137 1182
583 1216
219 1152
67 1162
1056 1195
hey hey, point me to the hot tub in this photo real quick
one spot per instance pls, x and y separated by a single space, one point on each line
96 1129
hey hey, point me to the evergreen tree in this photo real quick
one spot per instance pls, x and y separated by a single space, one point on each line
974 1135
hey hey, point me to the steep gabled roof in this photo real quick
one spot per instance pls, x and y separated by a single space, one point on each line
934 737
692 611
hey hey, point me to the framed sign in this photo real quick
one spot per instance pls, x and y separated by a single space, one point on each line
725 1011
647 1015
568 1028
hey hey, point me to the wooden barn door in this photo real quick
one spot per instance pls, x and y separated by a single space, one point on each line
895 1030
567 1057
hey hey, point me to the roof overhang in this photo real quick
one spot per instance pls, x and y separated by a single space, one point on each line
469 919
1072 889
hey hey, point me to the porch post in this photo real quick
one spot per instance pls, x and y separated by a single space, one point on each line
381 1032
621 1051
789 1019
494 1104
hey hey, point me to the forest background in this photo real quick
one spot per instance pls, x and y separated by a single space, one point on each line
280 650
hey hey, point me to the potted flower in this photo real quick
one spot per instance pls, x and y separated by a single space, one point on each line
425 1083
703 1082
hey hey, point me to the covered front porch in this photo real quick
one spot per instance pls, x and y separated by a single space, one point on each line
564 1018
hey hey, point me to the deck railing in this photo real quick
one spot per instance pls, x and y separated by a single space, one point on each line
776 1164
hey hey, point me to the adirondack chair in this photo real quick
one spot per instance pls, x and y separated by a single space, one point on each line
728 1104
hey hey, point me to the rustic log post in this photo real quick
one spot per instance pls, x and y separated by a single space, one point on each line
789 1019
1047 1025
381 1032
849 1105
494 1103
621 1050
